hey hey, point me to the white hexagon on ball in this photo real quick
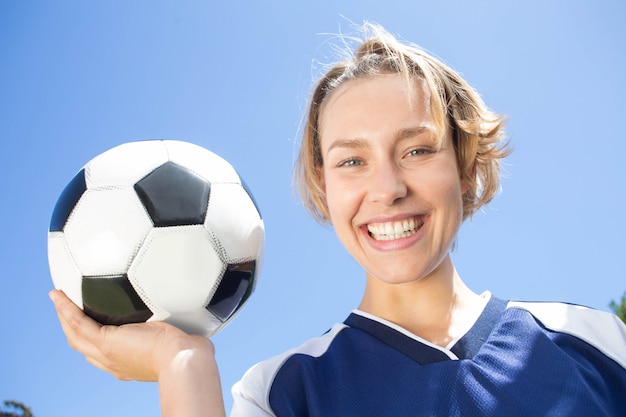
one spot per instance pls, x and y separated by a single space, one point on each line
63 269
234 222
176 271
208 165
124 165
105 231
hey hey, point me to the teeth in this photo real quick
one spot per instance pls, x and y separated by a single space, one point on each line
394 230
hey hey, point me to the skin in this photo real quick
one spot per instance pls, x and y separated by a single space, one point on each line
183 365
382 166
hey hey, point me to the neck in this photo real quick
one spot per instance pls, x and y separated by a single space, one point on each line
439 308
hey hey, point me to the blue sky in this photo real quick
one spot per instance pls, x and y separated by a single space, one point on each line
79 77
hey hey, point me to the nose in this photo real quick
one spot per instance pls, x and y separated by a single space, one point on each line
387 184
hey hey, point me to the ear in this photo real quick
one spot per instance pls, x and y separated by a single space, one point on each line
319 172
322 202
467 181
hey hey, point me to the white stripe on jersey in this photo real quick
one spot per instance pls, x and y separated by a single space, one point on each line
256 383
604 331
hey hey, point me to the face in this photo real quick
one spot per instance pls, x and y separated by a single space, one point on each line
394 195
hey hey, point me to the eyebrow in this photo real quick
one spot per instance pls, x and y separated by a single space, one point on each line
347 143
402 134
414 131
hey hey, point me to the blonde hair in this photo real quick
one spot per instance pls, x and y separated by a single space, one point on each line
477 132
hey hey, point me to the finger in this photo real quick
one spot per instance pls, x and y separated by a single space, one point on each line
81 331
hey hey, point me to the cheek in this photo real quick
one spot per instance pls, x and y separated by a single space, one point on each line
465 185
323 193
448 189
341 202
335 202
454 200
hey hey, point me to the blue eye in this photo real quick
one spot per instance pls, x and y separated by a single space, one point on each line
350 163
420 151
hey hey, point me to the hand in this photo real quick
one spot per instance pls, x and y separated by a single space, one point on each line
129 352
183 365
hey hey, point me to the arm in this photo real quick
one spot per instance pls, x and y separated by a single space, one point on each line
183 365
189 384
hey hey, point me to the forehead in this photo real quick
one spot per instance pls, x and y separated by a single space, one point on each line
375 106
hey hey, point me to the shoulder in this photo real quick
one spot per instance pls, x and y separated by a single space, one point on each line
602 330
251 394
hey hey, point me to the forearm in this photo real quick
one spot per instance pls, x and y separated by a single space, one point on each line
189 385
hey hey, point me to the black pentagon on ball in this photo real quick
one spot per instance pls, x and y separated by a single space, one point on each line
67 200
233 291
113 300
174 196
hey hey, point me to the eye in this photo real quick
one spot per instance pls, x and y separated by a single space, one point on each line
420 151
350 162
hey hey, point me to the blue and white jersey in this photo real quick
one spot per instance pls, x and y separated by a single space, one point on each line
519 359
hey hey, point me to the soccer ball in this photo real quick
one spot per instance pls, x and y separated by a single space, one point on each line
157 230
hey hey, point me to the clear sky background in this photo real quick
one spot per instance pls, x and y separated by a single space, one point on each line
79 77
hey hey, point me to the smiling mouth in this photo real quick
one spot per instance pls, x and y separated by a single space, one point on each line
395 230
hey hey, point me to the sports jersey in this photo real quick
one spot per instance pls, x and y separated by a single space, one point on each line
518 359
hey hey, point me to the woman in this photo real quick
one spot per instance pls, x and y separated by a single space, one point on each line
398 150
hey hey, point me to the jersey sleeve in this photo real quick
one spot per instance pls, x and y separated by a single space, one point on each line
605 331
251 392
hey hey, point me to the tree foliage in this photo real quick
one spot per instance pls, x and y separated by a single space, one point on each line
15 409
619 308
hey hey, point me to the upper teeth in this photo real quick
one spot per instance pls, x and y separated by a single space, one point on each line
393 230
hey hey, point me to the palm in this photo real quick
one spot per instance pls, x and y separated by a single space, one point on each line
129 352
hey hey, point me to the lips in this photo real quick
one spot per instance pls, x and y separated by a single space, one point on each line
395 230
